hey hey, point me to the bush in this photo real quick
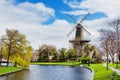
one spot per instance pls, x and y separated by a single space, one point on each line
85 60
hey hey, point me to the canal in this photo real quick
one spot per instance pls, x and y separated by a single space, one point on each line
38 72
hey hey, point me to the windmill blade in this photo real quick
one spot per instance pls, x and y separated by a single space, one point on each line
84 17
86 31
71 31
72 18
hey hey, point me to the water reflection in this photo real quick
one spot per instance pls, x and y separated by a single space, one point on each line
38 72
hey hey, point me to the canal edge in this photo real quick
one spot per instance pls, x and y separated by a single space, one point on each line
92 71
10 72
92 78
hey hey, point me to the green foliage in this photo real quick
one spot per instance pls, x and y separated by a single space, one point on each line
15 48
92 52
62 55
85 60
23 59
71 54
45 51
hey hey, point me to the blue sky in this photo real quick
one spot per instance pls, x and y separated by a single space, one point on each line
46 21
59 6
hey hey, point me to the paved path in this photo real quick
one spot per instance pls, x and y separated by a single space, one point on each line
116 70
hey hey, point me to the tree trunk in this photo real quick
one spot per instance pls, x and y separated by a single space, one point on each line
107 62
0 59
15 64
8 60
112 60
119 57
117 61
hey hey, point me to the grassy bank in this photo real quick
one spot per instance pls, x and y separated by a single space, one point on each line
100 72
4 70
114 65
57 63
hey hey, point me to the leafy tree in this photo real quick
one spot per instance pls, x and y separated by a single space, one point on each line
62 55
15 48
90 54
95 56
70 54
47 51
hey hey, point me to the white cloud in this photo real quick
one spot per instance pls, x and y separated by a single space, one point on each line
54 34
93 26
24 12
27 18
76 12
108 7
72 3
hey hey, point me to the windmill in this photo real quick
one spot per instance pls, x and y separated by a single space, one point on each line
79 42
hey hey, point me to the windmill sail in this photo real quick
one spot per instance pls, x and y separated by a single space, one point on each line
79 31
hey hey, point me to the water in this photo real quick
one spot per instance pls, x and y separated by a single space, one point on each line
38 72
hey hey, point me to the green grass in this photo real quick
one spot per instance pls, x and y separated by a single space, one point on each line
101 73
4 70
114 65
57 63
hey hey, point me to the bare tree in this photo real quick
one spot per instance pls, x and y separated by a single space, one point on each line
115 27
110 39
106 44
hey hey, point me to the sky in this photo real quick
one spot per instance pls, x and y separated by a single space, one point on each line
47 21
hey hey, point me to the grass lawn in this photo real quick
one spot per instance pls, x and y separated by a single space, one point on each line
57 63
114 65
4 70
101 73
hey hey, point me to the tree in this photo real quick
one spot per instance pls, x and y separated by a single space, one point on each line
108 43
105 44
15 48
90 50
27 56
95 55
70 54
46 52
115 26
90 54
62 55
110 39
